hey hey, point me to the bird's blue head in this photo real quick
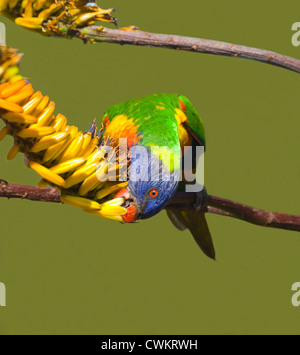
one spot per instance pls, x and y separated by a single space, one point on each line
151 185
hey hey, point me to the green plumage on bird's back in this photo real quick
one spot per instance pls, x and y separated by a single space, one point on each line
155 121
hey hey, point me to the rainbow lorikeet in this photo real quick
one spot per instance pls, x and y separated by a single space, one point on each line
76 162
160 120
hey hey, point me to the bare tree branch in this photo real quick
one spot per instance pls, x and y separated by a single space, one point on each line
25 192
199 45
182 200
238 210
70 19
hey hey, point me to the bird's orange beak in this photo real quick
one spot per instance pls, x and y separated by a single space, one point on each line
130 216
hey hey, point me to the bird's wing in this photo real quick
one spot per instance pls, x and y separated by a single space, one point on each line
193 122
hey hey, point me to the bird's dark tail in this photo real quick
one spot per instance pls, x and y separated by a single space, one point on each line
196 223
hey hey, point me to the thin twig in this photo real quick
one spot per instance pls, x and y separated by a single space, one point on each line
199 45
25 192
221 206
182 200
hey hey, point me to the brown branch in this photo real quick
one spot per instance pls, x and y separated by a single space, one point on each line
25 192
199 45
238 210
182 200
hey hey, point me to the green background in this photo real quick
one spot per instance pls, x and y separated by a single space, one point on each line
67 272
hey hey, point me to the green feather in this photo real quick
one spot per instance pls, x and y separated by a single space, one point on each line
155 118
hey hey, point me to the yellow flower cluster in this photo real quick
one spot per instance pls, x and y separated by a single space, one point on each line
54 17
73 161
9 65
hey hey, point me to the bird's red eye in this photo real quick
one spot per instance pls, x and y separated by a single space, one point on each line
153 193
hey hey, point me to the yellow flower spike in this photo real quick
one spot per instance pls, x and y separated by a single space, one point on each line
46 116
3 5
19 118
57 137
114 202
88 184
99 214
31 13
48 141
35 132
80 175
43 183
93 143
46 13
26 87
102 170
88 164
84 18
105 12
33 23
59 123
41 106
14 61
39 4
73 148
4 85
67 165
12 3
86 141
10 65
59 153
103 17
2 70
21 96
96 156
73 12
56 150
24 3
3 133
109 190
10 73
61 127
92 150
13 152
99 186
73 131
53 150
9 106
36 94
55 121
16 78
47 174
28 9
109 210
32 104
12 89
80 202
